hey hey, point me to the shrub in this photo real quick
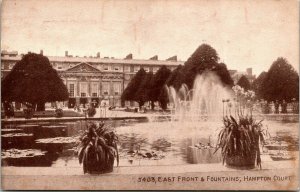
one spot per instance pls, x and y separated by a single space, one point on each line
58 113
91 111
295 107
8 109
28 113
266 108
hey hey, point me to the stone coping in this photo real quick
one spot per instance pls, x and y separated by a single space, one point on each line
157 169
295 117
282 175
67 119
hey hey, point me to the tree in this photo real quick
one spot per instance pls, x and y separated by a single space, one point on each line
33 81
133 86
205 58
244 83
142 94
281 82
158 83
176 78
222 71
163 98
257 84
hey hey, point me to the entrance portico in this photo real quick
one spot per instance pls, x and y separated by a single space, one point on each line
87 84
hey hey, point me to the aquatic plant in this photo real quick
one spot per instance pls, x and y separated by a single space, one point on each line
98 149
239 141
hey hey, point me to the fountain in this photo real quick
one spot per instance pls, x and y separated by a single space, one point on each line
197 115
202 102
190 137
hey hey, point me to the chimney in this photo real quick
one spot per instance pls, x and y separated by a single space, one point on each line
174 58
129 56
98 54
41 51
66 53
155 57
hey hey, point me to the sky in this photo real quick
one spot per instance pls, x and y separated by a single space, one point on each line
244 33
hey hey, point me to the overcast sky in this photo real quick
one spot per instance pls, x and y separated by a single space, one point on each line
244 33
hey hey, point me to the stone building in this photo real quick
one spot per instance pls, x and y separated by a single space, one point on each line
94 79
236 75
101 80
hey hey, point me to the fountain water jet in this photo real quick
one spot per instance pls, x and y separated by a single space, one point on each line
203 101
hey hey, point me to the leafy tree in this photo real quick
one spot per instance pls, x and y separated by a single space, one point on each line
129 94
244 83
158 82
205 58
257 84
163 98
281 82
142 95
223 73
33 82
176 78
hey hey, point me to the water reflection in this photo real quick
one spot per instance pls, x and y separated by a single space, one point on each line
200 150
131 142
161 144
196 156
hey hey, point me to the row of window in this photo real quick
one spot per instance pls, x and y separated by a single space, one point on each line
108 67
61 66
132 68
95 90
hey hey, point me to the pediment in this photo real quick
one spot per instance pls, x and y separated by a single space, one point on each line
83 67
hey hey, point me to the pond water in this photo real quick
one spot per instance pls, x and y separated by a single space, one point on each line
159 142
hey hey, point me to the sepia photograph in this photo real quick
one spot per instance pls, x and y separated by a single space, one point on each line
150 95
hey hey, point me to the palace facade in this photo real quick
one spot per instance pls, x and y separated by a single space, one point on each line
101 80
94 79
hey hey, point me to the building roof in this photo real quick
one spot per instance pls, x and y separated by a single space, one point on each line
4 52
82 67
102 60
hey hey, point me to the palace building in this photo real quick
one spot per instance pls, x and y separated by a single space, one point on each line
94 79
101 80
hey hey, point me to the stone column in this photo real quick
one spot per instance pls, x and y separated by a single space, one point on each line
100 90
89 93
111 91
89 87
77 96
67 102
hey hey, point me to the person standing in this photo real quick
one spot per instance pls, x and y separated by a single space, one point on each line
284 107
276 107
262 106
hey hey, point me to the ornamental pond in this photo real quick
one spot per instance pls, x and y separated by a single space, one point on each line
156 141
